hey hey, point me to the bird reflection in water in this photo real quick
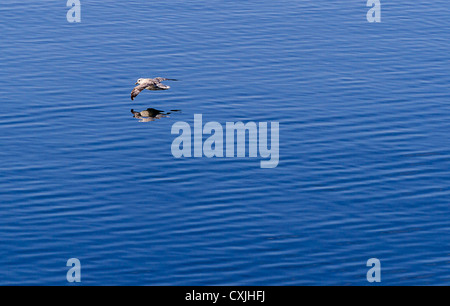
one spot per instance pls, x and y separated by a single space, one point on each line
151 114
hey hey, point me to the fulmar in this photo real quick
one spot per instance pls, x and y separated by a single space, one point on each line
150 84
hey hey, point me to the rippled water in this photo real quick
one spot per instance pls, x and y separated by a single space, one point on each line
364 116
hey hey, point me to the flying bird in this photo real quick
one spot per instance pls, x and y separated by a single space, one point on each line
150 84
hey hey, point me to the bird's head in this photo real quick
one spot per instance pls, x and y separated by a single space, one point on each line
138 82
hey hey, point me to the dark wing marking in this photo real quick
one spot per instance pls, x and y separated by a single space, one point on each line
137 90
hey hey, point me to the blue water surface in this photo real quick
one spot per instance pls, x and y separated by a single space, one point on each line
364 113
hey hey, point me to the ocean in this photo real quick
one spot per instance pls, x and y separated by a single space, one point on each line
364 147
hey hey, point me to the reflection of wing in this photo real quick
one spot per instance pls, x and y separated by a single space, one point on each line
137 90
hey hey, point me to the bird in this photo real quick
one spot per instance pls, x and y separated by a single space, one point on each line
150 84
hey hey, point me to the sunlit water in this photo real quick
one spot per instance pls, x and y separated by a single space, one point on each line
364 115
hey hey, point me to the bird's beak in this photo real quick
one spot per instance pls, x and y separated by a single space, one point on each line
136 83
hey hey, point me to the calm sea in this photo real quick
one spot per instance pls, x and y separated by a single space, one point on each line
364 113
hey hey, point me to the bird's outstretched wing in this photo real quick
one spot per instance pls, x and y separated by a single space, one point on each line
161 86
159 80
137 90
